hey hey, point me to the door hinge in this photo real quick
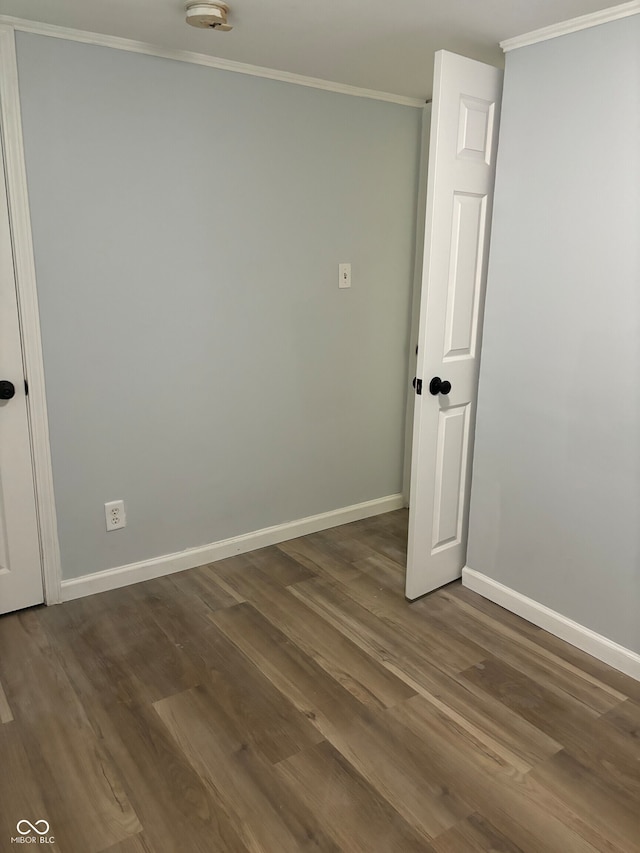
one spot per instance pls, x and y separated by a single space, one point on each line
418 386
26 388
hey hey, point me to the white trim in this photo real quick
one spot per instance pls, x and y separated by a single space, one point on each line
416 292
20 223
118 43
600 647
572 26
192 557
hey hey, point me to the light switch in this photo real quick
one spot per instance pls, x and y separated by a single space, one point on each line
344 272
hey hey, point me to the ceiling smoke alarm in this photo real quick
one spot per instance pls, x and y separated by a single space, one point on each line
208 15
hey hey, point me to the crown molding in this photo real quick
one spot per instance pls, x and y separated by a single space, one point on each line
572 26
118 43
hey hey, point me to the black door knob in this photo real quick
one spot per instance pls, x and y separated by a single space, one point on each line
439 386
7 389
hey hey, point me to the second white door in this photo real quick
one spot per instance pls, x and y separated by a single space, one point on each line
20 565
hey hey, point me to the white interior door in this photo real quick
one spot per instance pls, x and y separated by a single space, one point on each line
462 153
20 566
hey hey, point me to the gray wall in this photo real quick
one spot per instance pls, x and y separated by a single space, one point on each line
555 506
201 363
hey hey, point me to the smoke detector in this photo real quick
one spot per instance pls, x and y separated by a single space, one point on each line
208 15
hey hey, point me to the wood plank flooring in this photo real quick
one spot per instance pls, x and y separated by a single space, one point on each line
292 700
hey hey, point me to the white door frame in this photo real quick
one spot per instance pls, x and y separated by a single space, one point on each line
416 292
25 275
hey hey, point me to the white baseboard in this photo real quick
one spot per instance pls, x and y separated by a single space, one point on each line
555 623
192 557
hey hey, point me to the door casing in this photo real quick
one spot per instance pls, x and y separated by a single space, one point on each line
415 298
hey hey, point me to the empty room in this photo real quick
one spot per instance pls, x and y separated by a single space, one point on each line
320 426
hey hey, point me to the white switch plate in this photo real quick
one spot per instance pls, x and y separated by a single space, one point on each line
344 275
115 515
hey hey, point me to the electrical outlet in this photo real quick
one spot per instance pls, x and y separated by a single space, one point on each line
115 515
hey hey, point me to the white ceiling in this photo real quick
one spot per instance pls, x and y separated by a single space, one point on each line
386 45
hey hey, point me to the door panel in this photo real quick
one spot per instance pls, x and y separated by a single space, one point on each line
476 125
453 428
465 276
20 565
462 152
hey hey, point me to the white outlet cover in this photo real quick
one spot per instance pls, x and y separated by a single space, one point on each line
115 515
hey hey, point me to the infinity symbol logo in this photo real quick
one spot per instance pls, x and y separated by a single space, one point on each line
32 827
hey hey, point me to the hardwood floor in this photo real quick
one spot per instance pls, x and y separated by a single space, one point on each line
291 699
